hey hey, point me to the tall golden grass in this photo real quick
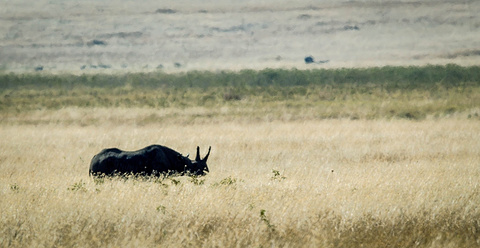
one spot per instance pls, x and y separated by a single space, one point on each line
324 183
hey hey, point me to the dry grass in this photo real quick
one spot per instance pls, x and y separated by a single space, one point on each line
279 177
331 183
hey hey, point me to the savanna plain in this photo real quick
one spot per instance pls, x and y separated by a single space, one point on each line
378 146
379 157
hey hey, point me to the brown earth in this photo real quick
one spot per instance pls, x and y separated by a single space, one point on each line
124 36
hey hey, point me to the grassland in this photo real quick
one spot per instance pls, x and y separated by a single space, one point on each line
270 94
321 158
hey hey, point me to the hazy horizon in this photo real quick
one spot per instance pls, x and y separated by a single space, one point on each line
125 36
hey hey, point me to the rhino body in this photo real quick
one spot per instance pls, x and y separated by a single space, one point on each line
153 160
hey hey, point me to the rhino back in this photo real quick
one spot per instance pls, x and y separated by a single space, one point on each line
145 161
166 159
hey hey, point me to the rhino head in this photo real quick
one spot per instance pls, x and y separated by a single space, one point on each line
197 167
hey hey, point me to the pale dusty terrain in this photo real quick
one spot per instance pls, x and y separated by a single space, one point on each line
230 35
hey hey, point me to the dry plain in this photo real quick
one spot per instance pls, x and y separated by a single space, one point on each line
330 183
122 35
358 172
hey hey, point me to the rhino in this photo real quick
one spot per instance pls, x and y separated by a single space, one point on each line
153 160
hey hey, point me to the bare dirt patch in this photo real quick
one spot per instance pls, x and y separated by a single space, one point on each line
227 35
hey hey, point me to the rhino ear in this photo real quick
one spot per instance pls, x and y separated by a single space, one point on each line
197 158
206 156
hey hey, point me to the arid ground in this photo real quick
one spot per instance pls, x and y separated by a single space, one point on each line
332 183
347 154
100 36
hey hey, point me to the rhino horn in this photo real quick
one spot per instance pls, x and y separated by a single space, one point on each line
208 153
197 158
